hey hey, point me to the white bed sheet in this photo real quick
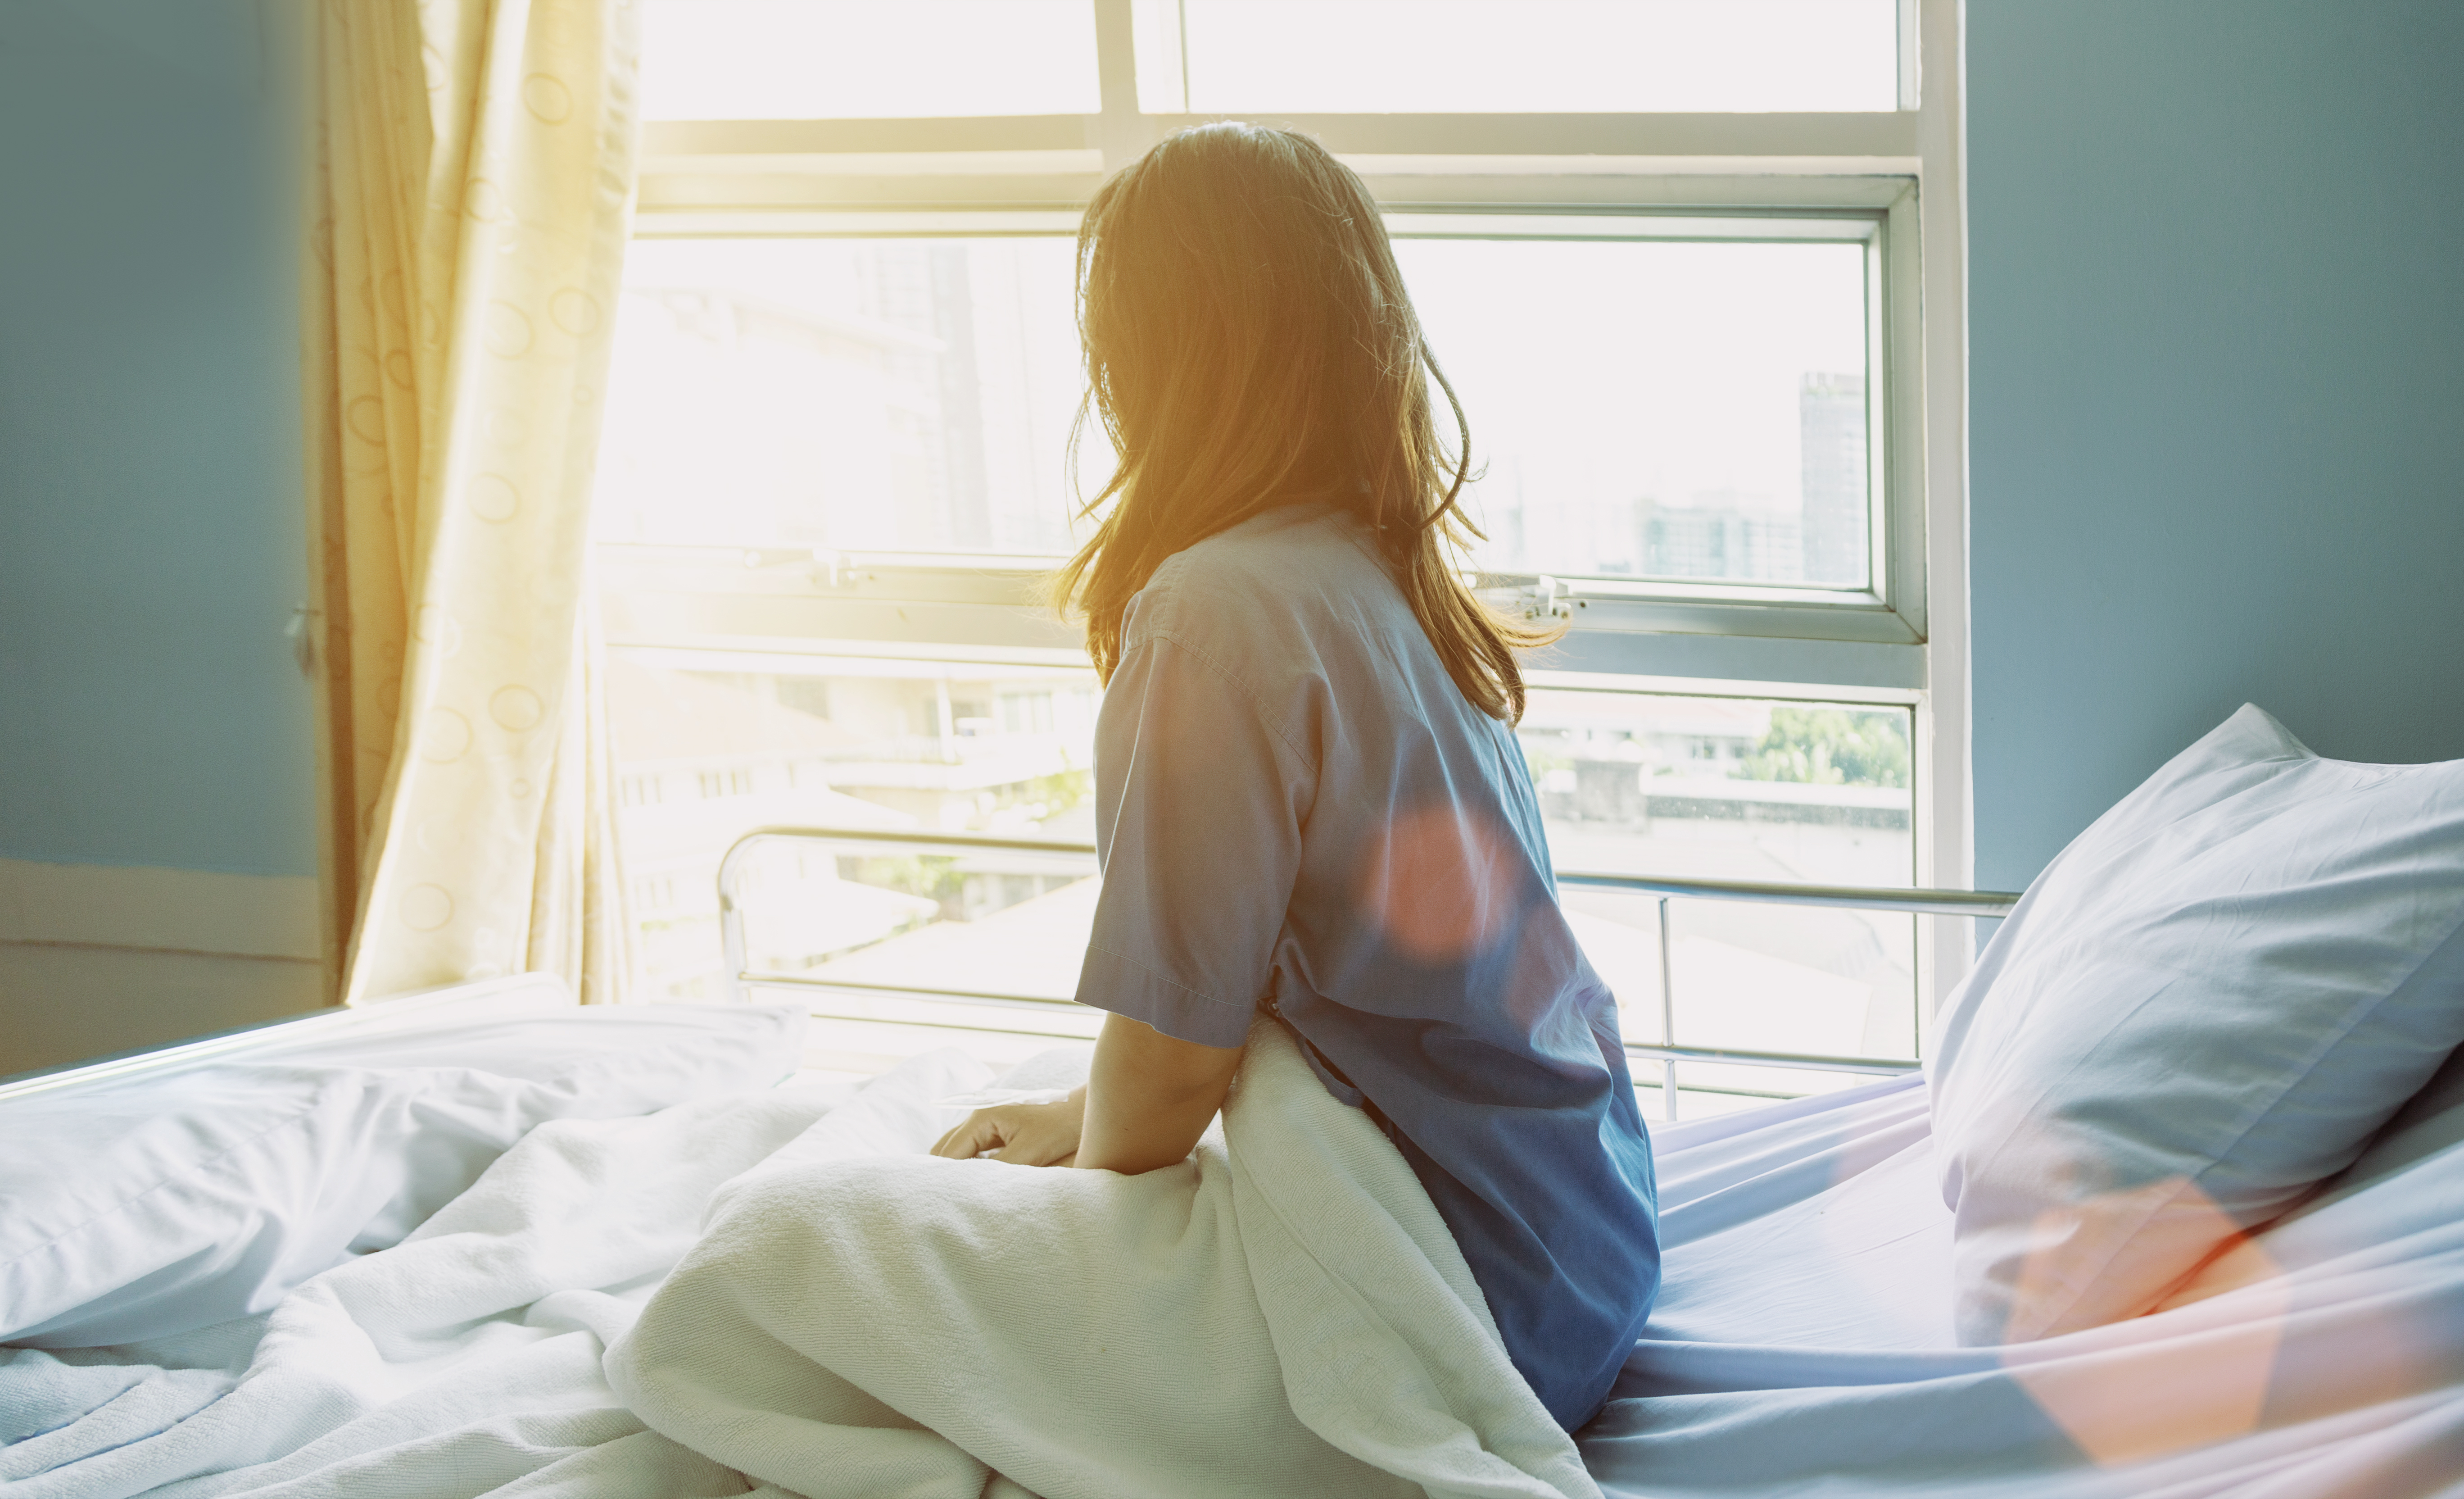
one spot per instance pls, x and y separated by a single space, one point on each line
1816 1225
1802 1345
463 1361
1803 1342
152 1203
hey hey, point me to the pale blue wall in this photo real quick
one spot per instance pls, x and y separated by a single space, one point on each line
2216 334
150 511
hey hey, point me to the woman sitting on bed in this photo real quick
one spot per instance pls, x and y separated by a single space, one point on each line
1310 797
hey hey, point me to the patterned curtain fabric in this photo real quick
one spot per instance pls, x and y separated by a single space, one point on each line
469 199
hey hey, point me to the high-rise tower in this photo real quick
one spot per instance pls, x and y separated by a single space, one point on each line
1831 422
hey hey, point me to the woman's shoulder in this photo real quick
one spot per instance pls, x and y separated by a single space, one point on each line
1248 586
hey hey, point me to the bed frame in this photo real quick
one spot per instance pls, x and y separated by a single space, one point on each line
737 977
492 995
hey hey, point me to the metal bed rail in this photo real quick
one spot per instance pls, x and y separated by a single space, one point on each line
737 977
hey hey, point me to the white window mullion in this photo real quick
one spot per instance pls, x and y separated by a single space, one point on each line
1851 144
1911 29
1946 848
1121 132
1163 56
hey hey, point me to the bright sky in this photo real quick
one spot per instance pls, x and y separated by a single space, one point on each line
866 59
1537 55
1622 370
774 59
1595 373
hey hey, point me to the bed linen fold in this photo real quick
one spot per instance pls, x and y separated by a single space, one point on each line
464 1361
1282 1313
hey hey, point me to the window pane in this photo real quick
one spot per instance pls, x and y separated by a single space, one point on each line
1636 782
853 394
1541 56
821 60
1737 790
1639 409
1658 410
705 756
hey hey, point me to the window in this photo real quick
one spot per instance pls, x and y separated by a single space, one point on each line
1654 403
891 750
864 395
1496 56
791 59
1735 788
1691 265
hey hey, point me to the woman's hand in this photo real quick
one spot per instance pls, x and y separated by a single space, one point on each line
1021 1134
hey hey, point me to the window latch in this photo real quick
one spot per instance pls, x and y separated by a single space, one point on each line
1548 598
837 571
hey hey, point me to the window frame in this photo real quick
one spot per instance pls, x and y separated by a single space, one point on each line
1903 640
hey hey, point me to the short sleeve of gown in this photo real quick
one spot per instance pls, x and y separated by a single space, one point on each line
1197 819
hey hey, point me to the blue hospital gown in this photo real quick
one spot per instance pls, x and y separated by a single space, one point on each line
1298 809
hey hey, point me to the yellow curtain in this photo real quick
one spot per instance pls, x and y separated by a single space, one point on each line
470 197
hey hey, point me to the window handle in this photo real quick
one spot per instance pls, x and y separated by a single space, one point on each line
1548 598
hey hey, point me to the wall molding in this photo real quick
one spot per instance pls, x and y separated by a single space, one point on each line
158 910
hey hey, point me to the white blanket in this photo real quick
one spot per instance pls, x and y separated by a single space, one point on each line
1284 1313
464 1361
1087 1333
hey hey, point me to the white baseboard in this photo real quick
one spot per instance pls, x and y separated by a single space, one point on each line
156 910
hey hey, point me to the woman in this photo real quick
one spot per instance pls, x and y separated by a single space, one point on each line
1310 796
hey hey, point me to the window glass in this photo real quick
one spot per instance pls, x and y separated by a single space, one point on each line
865 59
1539 56
1639 409
849 394
1629 782
1658 410
710 746
1736 789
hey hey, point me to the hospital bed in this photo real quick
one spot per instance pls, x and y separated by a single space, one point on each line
1801 1344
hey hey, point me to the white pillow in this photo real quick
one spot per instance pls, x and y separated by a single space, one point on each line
163 1204
2204 1007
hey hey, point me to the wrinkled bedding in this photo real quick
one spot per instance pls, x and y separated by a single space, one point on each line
1802 1343
464 1361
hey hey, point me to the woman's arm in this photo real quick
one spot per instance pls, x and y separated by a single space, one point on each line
1149 1096
1147 1099
1199 807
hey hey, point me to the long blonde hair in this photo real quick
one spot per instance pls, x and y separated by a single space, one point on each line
1249 344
